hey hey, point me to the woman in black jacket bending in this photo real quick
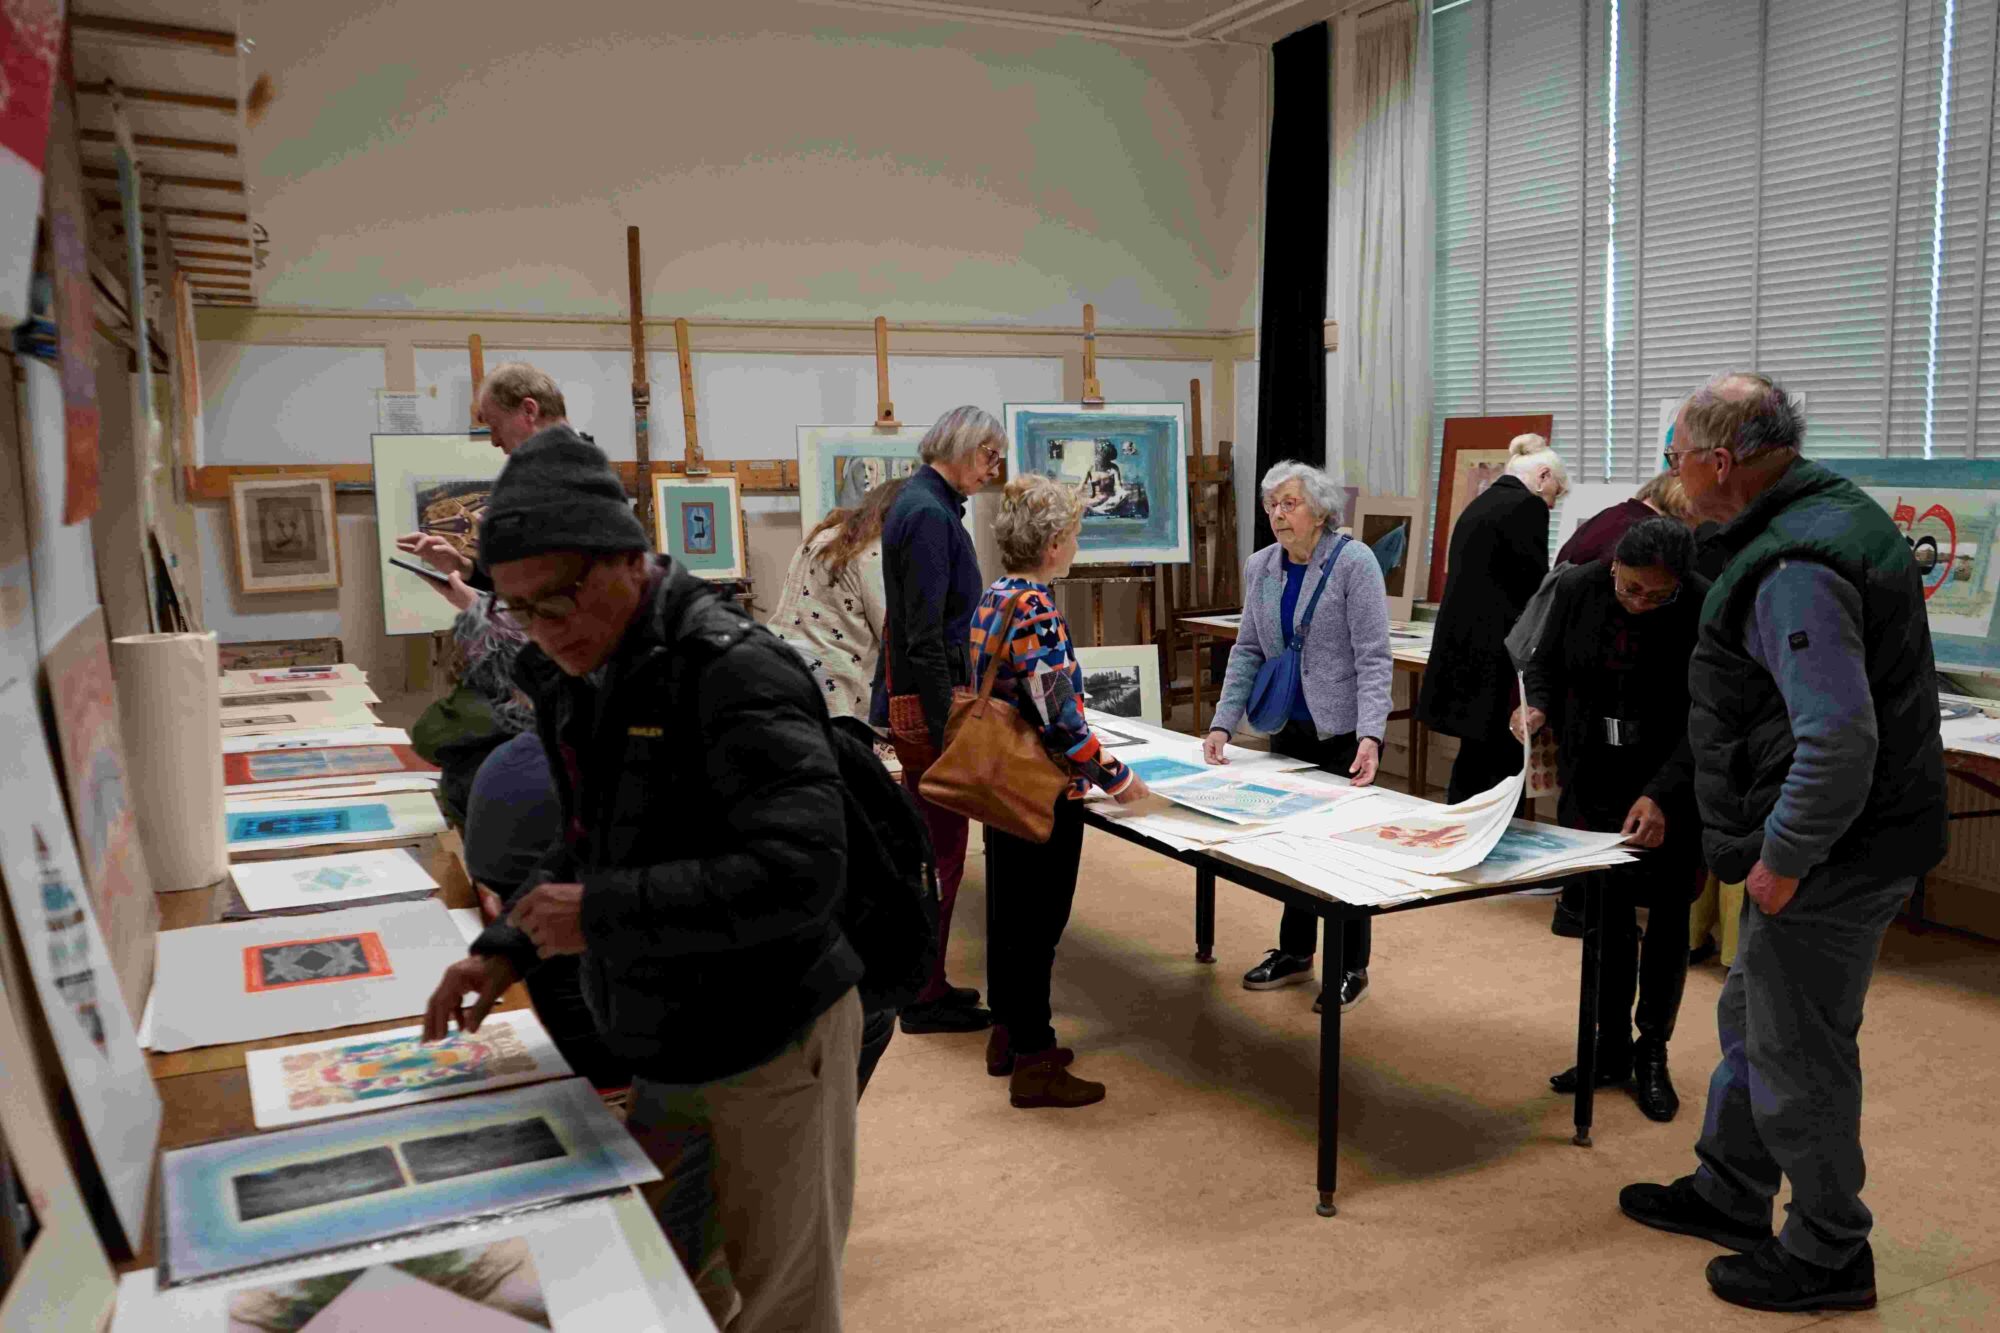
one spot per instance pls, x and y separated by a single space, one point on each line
1498 556
1610 675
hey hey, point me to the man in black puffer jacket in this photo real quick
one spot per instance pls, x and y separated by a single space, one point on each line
1820 777
700 876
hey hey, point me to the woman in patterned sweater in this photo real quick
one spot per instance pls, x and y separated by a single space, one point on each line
1034 883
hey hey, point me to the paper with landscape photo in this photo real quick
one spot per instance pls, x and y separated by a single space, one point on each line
316 1188
249 980
347 1075
329 881
573 1263
91 1028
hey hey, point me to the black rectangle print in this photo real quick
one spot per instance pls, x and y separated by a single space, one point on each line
286 1189
488 1148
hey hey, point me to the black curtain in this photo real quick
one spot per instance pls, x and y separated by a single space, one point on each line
1291 371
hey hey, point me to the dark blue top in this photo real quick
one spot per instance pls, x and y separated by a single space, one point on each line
1288 607
931 585
513 817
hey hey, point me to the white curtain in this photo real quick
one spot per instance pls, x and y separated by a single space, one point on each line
1379 379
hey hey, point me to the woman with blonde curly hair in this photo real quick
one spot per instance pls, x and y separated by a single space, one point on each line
1033 884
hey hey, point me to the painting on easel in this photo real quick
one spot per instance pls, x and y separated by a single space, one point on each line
698 521
1129 461
427 483
838 465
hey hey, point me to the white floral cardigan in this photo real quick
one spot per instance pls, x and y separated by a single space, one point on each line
835 623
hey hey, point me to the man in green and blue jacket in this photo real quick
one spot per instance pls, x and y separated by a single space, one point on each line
1820 782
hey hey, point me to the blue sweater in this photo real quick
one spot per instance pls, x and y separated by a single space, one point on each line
1344 663
930 583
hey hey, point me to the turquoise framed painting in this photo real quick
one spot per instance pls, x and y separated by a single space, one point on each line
1128 461
1949 510
699 522
838 465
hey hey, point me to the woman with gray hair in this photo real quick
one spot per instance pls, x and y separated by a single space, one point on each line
930 579
1323 591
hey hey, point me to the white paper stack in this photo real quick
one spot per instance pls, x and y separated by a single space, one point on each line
329 881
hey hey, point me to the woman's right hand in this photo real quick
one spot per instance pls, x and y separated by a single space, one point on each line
1135 791
1212 746
458 592
1527 721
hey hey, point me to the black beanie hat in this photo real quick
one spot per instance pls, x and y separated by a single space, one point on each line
557 493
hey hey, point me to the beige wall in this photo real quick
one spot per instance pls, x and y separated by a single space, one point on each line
785 161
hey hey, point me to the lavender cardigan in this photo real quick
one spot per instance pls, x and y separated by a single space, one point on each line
1344 662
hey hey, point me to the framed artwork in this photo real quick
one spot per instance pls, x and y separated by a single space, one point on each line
840 464
92 1034
1121 682
1388 525
286 539
1949 511
699 522
1129 460
1474 457
58 1275
428 483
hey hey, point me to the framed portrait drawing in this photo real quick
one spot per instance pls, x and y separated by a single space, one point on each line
1474 457
840 464
699 522
1121 682
427 483
286 538
1389 526
1128 460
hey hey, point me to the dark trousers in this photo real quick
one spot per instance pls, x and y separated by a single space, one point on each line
877 1027
1786 1099
1030 888
1654 967
557 993
1482 765
1298 931
948 837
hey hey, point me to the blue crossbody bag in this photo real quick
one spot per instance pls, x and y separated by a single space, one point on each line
1278 680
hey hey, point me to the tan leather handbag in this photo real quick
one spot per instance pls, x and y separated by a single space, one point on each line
993 767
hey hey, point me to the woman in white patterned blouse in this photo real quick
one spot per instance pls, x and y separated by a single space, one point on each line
832 608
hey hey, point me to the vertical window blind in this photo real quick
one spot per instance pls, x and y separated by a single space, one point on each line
1634 194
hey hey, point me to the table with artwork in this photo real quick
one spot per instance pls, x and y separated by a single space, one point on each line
1304 838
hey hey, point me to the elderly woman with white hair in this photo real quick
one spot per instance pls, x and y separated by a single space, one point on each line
1322 591
1498 556
931 583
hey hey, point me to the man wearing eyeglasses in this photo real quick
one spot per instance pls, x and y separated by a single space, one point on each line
699 877
1819 775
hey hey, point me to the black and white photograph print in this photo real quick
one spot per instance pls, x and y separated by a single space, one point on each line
286 1189
285 532
475 1151
1121 681
1113 690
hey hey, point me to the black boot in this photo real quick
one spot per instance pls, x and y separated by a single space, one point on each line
1651 1087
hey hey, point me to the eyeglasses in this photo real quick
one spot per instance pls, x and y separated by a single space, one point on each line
558 605
990 456
1285 506
1632 592
1671 458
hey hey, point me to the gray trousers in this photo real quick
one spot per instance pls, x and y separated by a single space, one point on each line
1786 1098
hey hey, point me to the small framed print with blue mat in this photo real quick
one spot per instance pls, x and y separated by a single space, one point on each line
1949 511
699 522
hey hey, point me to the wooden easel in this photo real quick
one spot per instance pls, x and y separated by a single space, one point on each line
476 351
693 464
1098 577
642 390
885 411
1211 582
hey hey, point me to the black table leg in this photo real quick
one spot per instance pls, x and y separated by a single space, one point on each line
1204 916
1586 1009
1329 1065
992 919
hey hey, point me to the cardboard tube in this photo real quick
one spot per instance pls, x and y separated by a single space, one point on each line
170 713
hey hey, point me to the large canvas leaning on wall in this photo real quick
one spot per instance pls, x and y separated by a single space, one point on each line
1949 511
429 483
1130 462
840 464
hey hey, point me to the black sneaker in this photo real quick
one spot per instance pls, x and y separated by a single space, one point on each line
1567 922
1773 1278
1353 990
946 1015
1279 969
1677 1208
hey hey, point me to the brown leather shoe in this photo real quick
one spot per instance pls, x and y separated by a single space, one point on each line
1000 1052
1041 1080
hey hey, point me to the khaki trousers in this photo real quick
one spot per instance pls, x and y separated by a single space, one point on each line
759 1184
